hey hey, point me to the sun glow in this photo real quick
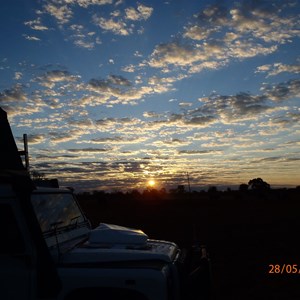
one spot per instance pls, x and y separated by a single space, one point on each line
151 183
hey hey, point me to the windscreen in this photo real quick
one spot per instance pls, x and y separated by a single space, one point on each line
56 210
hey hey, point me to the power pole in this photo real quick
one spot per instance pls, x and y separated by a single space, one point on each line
25 151
188 179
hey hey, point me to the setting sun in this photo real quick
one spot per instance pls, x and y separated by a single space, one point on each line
151 183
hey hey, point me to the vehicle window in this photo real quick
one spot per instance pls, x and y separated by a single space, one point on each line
56 210
11 238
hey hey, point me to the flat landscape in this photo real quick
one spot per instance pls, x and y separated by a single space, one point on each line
247 233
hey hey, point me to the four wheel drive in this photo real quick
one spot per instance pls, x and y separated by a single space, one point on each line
50 251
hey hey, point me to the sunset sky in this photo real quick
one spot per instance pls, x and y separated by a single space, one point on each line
113 93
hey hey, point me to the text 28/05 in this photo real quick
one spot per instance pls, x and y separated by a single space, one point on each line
284 269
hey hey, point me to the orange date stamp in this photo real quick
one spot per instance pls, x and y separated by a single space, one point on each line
284 269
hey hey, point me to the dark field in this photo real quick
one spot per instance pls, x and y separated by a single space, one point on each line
245 233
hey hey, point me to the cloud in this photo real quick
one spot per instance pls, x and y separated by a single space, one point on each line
115 139
213 65
35 138
86 3
246 49
185 104
119 23
36 25
175 54
170 143
18 75
118 27
62 13
195 32
15 110
286 120
132 14
242 106
83 38
142 12
110 95
219 34
145 11
57 137
31 38
118 89
265 21
163 84
118 80
277 68
130 68
84 44
151 114
16 93
197 152
117 121
231 109
283 91
258 19
103 87
82 124
200 120
89 150
57 158
51 78
277 159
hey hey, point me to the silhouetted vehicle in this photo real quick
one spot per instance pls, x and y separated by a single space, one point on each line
49 250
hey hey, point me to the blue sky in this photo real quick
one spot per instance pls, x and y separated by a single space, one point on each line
113 93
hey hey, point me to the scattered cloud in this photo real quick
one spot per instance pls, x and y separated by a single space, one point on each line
36 138
36 25
142 12
16 93
51 78
62 13
219 34
89 150
86 3
18 75
57 137
118 27
152 130
197 152
277 68
83 38
119 23
282 91
31 38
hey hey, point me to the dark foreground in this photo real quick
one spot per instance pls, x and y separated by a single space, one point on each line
253 238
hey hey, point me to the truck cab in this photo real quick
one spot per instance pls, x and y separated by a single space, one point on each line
109 260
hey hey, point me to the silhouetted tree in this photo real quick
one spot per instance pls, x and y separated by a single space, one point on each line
243 187
258 184
213 192
135 193
212 189
163 191
181 189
